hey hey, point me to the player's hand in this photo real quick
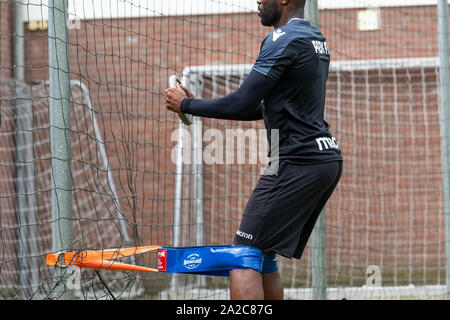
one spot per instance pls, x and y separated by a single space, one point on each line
188 93
174 97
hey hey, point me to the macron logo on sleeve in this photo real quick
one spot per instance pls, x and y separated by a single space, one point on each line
276 34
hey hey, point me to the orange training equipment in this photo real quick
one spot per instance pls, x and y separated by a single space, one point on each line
99 259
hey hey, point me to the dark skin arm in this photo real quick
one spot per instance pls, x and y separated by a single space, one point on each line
244 104
174 97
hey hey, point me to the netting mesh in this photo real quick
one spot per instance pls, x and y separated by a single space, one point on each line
388 209
382 105
97 216
388 122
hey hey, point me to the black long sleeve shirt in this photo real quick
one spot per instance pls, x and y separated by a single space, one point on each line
286 88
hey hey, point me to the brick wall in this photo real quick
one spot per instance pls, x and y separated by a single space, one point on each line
386 122
6 32
404 32
7 202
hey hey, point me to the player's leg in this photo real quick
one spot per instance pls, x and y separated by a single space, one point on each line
251 229
246 284
252 285
275 218
272 286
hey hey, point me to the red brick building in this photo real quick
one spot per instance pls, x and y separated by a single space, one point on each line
388 208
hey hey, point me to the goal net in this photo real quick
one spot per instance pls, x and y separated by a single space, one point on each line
385 228
384 224
98 221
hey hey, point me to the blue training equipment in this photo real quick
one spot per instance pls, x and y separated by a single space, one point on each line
269 263
214 260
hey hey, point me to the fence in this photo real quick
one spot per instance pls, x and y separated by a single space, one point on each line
384 229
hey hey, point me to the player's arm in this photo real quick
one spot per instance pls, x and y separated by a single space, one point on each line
243 104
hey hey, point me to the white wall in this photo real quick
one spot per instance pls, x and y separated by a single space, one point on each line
85 9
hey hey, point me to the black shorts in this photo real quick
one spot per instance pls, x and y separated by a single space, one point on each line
283 208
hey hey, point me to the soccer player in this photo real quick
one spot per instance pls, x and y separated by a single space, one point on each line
286 87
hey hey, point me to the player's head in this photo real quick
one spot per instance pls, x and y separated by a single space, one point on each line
271 11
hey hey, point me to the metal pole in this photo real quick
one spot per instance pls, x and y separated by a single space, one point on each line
445 125
18 42
197 154
178 197
60 136
197 170
27 249
104 156
178 188
318 254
